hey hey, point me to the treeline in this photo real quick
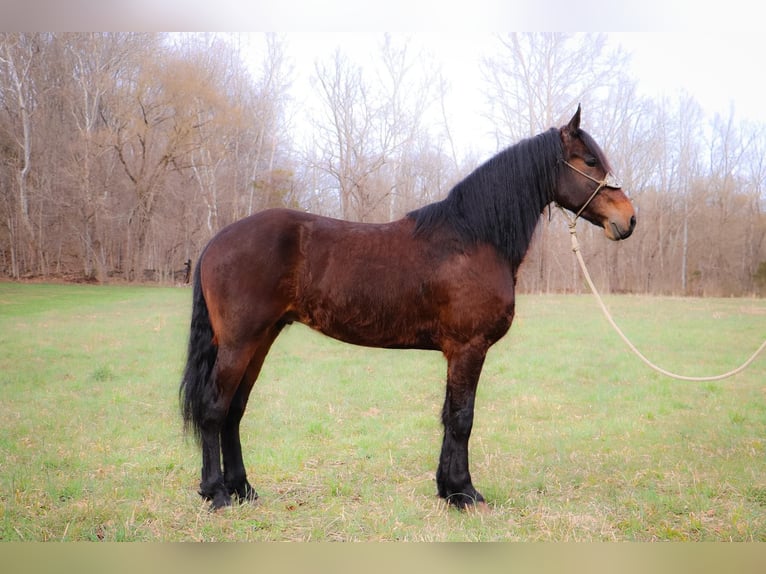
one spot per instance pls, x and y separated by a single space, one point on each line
122 154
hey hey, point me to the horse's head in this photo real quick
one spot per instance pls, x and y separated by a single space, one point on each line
587 187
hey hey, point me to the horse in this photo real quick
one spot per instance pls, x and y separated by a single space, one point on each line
441 278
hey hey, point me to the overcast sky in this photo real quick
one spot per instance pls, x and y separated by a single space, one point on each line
720 69
712 50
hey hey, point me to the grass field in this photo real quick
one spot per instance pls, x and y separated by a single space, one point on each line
574 438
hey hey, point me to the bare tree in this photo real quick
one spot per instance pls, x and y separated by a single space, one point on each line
370 127
407 81
153 120
725 232
212 117
268 112
94 62
753 255
688 152
536 79
18 54
348 136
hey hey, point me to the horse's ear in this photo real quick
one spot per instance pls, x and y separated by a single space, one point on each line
574 123
570 130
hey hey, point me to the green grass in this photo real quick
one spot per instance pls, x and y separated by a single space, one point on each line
574 438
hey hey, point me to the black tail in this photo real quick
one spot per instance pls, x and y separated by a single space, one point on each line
197 390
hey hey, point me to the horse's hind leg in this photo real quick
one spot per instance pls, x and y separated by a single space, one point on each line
235 476
227 374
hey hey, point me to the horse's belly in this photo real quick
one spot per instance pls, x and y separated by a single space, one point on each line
397 325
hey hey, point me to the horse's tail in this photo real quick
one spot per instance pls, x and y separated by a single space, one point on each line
197 390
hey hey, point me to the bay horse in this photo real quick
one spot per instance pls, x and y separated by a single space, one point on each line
441 278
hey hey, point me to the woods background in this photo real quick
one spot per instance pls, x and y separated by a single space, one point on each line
121 154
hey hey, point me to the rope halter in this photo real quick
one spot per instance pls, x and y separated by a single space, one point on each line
609 181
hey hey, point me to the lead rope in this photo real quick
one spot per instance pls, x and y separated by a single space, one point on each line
576 250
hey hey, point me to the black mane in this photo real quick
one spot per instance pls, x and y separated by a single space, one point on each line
500 202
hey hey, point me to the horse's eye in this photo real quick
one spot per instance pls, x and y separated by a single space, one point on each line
590 161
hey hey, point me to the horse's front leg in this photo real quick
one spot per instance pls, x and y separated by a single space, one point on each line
453 477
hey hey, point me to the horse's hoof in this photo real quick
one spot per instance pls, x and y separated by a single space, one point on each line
220 500
462 501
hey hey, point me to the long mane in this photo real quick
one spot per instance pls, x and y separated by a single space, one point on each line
500 202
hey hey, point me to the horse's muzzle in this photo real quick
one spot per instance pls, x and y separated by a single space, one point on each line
617 231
